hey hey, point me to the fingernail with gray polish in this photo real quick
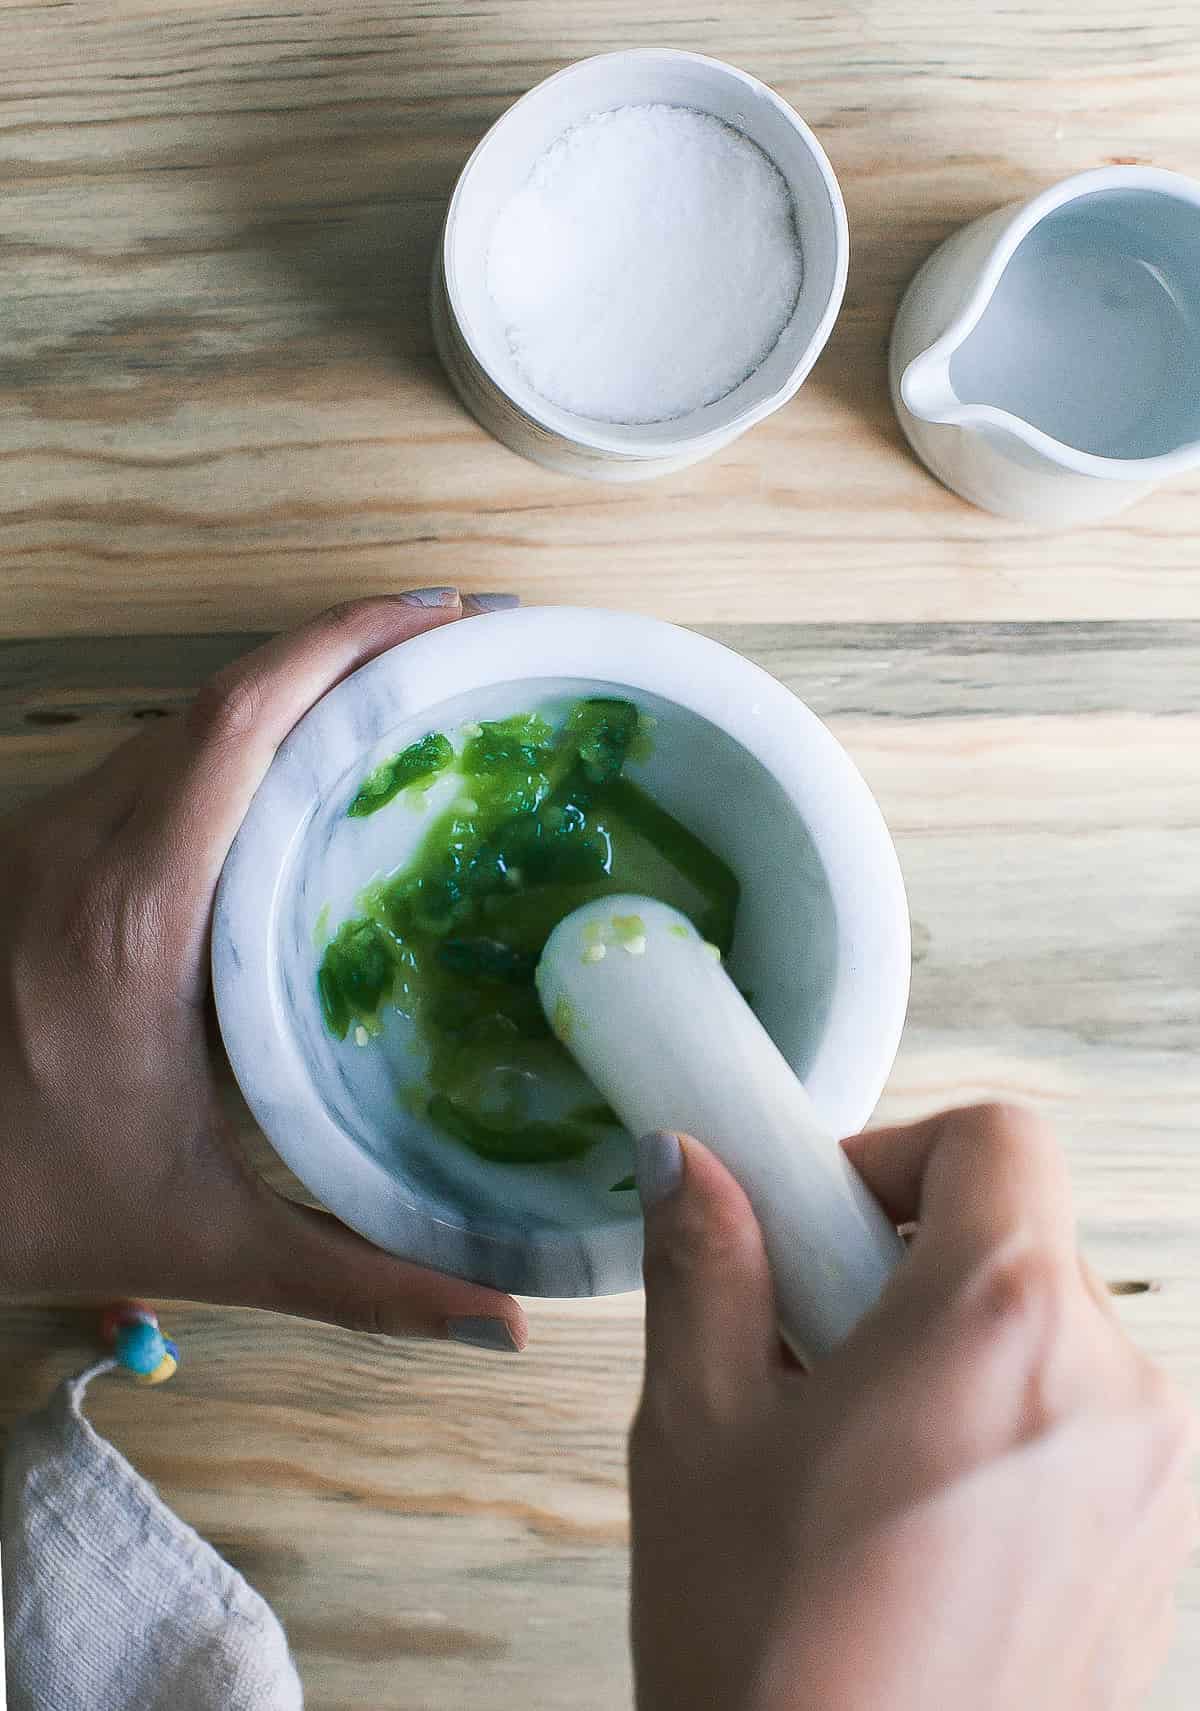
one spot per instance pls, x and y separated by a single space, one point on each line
659 1167
493 1334
430 597
491 602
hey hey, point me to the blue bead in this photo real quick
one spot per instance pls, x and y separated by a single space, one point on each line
140 1347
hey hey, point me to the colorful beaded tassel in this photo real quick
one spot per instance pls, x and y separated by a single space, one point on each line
131 1331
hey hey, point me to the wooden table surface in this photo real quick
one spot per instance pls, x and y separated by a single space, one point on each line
219 410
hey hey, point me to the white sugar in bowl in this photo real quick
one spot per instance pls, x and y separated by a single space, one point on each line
485 360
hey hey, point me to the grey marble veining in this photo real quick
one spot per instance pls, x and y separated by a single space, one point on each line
334 1109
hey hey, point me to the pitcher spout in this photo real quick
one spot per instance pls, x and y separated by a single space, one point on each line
927 389
932 392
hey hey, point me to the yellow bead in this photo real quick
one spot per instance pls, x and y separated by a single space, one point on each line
164 1370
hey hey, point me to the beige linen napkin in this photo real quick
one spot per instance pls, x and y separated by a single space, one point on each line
111 1602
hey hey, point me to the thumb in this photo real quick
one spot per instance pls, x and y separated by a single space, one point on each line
711 1336
213 761
306 1262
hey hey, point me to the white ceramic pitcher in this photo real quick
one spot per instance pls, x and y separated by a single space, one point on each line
1045 361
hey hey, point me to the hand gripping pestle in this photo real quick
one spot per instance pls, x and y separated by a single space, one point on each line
649 1013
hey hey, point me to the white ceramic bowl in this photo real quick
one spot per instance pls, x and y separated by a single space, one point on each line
469 334
822 935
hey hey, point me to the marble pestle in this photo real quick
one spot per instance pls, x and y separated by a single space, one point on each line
650 1014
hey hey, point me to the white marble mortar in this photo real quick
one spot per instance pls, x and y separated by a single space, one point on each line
822 937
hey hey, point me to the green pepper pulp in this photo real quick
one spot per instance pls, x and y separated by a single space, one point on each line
545 820
416 765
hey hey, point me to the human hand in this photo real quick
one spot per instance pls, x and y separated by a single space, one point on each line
982 1499
120 1174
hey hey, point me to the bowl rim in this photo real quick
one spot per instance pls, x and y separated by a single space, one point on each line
588 432
640 654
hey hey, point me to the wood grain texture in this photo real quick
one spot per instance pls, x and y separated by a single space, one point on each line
218 401
444 1531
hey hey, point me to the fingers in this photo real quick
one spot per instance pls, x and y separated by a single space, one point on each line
1097 1289
479 605
975 1180
1156 1542
993 1329
711 1337
187 819
305 1262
